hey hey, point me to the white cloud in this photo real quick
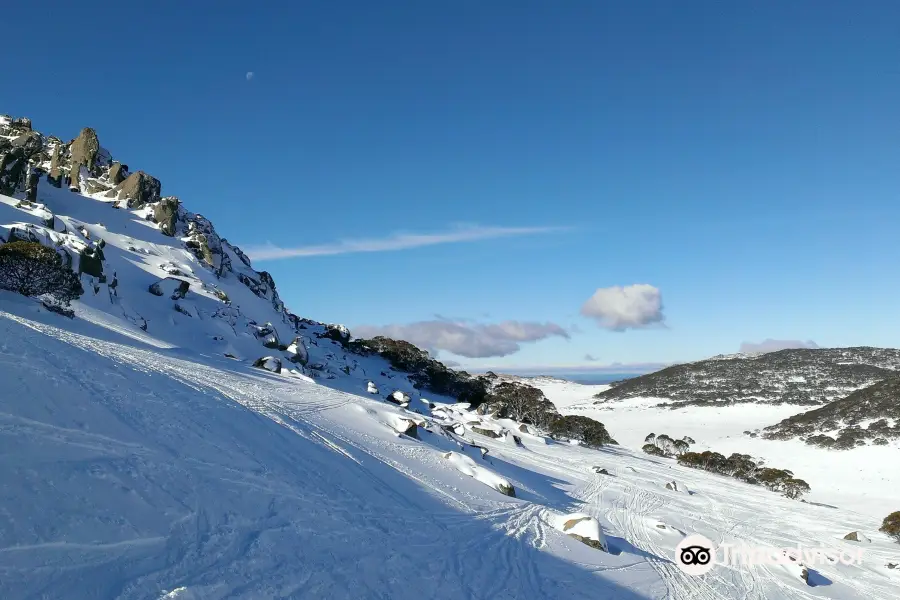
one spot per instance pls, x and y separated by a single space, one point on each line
472 340
770 345
397 241
249 75
619 308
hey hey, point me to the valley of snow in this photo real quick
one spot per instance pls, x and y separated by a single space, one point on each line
864 479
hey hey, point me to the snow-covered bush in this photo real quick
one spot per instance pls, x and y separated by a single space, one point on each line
32 269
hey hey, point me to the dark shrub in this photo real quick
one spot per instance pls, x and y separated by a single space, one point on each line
34 270
520 402
891 525
589 432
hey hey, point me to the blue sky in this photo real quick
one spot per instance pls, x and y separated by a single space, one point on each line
739 160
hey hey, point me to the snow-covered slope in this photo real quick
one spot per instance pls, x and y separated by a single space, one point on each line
135 471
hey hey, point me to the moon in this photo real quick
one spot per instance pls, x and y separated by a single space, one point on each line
249 75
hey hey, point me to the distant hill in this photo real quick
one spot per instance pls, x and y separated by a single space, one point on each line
805 377
871 414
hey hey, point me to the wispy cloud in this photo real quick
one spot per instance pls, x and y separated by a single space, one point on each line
397 241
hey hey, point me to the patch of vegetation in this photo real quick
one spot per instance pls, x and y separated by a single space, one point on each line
663 445
891 525
743 467
844 417
32 269
424 371
519 402
589 432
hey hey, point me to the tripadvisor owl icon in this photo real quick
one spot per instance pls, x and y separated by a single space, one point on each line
695 555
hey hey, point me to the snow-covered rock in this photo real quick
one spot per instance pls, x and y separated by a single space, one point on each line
371 387
467 466
856 536
269 363
400 398
297 352
583 527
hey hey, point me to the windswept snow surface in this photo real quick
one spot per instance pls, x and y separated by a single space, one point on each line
132 470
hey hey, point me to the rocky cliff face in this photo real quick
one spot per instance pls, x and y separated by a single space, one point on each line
29 161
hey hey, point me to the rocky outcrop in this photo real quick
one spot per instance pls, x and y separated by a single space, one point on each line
83 151
117 173
13 168
90 262
297 352
175 288
268 335
137 190
165 213
269 363
55 177
30 143
31 185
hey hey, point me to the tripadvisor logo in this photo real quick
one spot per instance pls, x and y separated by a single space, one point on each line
696 555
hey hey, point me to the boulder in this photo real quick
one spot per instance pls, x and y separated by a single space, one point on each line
407 427
601 471
13 169
117 173
582 527
83 150
855 536
486 432
55 176
174 288
268 336
677 487
399 398
31 187
137 189
165 213
297 352
90 262
371 387
30 143
269 363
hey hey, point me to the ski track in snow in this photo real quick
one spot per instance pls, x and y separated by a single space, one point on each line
325 503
